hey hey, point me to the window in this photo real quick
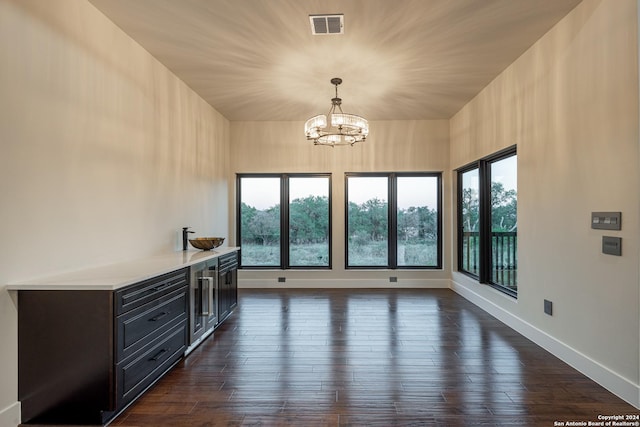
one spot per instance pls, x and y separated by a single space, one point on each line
417 221
393 220
487 220
368 221
470 221
259 222
309 221
284 221
504 222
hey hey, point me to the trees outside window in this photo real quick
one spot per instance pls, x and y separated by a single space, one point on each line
487 220
259 213
284 220
417 220
367 221
504 222
469 224
309 215
393 220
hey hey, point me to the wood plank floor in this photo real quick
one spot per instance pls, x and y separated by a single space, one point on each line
368 358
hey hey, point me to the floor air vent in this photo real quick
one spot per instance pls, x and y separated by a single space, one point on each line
327 24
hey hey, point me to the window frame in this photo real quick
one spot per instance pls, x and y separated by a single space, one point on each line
284 220
483 166
460 237
392 229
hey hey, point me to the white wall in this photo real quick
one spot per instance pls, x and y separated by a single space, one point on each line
570 103
105 154
393 146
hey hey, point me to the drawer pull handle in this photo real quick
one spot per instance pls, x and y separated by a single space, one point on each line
159 316
159 288
158 355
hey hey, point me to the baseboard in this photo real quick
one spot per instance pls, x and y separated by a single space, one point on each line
10 416
343 283
599 373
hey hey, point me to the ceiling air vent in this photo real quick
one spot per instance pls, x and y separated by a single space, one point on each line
327 24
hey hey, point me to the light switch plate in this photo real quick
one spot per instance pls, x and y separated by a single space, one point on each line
606 220
612 245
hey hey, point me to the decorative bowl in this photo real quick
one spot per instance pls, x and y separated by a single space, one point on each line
206 243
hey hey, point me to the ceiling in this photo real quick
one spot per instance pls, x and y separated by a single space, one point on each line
399 59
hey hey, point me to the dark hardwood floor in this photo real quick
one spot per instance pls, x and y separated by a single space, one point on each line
368 358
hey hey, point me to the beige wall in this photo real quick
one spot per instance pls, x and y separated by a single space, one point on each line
105 154
570 103
393 146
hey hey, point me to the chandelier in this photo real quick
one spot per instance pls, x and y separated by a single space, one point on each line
345 129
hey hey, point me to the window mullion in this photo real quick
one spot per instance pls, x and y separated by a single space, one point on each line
439 221
392 235
460 220
239 216
284 222
485 222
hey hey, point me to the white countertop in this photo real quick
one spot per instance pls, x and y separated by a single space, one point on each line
115 276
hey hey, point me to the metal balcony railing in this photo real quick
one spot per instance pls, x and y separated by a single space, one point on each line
504 261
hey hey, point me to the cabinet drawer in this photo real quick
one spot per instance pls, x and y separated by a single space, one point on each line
228 262
136 375
136 295
137 328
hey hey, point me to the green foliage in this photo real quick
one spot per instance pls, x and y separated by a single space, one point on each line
504 221
309 220
504 208
260 226
368 221
309 233
417 229
368 253
423 253
247 213
309 254
417 224
470 209
260 255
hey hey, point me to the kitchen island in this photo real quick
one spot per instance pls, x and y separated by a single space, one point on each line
92 341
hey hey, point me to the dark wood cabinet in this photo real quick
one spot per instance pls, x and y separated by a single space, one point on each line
84 355
136 374
227 284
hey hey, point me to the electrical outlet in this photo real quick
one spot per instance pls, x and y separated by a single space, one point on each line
282 279
548 307
393 279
